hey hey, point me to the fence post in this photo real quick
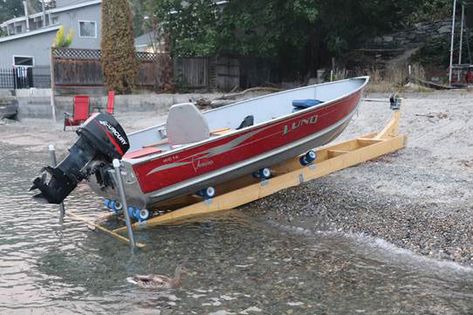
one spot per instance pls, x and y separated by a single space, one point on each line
53 105
29 77
14 79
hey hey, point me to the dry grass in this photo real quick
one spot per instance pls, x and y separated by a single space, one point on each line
393 79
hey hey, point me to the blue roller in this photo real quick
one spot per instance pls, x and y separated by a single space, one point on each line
207 193
308 158
113 205
139 214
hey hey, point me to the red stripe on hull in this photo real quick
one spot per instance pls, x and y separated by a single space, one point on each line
179 166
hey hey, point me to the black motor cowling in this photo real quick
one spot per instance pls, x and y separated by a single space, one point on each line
101 138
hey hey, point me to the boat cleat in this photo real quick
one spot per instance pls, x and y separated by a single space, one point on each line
308 158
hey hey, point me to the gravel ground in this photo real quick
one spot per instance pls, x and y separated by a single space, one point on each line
420 198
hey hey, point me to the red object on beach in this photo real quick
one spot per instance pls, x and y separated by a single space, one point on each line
80 111
469 76
111 102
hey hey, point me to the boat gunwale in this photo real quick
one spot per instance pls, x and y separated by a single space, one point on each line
152 157
244 163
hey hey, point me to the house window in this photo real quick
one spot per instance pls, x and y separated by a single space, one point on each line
54 20
87 29
18 29
23 61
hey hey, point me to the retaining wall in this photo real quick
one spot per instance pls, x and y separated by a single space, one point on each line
36 103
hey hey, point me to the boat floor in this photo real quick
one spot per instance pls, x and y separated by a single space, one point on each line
164 145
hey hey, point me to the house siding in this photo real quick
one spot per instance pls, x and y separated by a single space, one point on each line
39 45
70 20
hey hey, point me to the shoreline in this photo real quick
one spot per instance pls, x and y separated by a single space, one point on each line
419 198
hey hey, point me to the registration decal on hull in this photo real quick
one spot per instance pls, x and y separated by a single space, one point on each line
202 159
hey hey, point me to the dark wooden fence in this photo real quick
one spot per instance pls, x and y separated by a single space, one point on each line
227 70
192 72
80 69
222 72
210 73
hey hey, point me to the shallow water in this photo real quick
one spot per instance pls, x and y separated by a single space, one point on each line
239 264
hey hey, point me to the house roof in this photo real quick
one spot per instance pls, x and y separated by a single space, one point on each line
55 10
145 39
32 33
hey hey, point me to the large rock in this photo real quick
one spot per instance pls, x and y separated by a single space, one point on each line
445 29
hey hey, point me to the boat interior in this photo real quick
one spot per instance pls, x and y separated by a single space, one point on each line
186 125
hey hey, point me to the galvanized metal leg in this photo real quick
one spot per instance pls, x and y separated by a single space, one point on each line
52 155
121 190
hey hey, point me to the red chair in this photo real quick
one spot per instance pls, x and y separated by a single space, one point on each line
80 111
111 102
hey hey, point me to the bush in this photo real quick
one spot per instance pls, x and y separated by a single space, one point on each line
62 40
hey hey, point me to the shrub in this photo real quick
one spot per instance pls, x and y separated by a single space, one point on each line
62 39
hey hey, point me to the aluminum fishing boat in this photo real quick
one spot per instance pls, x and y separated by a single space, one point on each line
193 151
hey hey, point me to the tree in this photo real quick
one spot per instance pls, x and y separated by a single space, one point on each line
119 61
298 35
192 25
138 16
10 9
14 8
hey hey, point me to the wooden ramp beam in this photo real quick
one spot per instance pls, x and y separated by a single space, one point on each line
103 229
290 173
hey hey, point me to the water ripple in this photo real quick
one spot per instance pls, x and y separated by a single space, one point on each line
237 264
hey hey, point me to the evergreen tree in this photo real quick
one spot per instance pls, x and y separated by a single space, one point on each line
10 9
119 61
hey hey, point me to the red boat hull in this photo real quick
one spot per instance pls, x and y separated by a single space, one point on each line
193 166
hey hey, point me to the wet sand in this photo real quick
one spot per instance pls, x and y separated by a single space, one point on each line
420 198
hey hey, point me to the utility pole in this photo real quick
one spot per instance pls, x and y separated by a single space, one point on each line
44 13
27 18
461 33
461 40
451 42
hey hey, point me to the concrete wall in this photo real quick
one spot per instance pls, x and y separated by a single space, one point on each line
159 103
36 103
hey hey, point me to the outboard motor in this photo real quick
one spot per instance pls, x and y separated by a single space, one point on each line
101 139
